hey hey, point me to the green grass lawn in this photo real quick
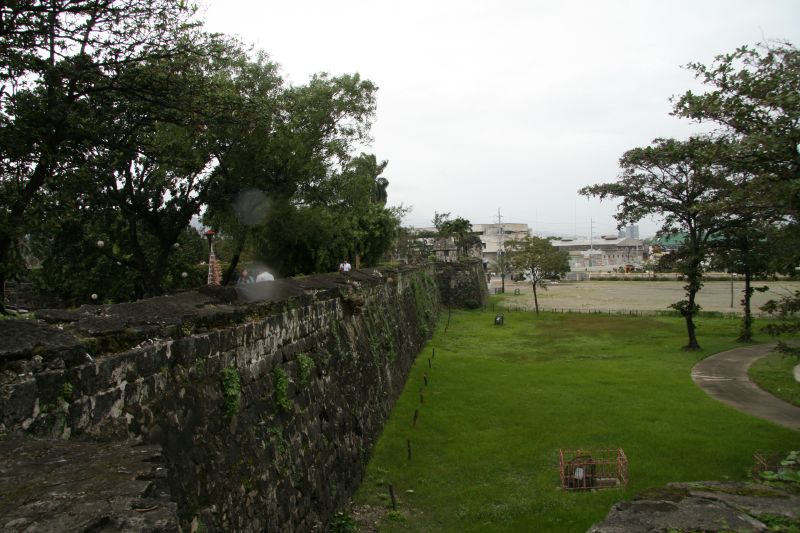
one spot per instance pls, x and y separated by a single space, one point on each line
775 373
502 400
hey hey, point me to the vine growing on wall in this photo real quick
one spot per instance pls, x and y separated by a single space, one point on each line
282 389
231 392
305 365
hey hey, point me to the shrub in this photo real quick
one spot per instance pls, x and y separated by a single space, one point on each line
343 523
471 303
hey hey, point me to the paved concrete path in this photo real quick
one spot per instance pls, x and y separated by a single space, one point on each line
724 377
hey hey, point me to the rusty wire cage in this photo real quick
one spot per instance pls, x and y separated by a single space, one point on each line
592 469
778 463
764 461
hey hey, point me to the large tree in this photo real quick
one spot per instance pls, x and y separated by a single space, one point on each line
301 164
752 100
150 167
249 149
751 97
746 251
539 260
682 182
55 56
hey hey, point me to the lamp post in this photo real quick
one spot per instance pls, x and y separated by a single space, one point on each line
732 276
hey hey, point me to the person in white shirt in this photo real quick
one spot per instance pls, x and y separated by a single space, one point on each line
265 276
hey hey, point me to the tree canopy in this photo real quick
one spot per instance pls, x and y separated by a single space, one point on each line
122 121
752 98
459 229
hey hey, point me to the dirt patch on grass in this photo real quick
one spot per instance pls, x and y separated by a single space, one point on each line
622 296
368 517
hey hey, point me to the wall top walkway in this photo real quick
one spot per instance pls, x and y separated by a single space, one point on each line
65 338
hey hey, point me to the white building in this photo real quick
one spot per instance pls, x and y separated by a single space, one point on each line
602 254
495 237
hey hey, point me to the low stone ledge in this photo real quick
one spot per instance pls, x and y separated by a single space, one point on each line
57 485
30 346
702 506
99 329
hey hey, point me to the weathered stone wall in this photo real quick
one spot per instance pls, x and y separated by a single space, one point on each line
462 284
266 400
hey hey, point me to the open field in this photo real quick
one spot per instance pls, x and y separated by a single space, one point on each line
639 295
501 400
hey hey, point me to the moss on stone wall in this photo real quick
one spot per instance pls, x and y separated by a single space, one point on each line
281 384
231 392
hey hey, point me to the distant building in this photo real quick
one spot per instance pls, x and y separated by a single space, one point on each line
604 253
495 237
667 243
631 232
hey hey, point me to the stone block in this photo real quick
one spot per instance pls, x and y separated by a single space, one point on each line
19 402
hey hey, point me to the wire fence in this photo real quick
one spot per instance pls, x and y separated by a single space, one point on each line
513 308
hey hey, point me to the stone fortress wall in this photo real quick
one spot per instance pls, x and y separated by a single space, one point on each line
246 409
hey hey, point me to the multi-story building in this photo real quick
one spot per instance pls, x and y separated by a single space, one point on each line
602 254
631 231
495 237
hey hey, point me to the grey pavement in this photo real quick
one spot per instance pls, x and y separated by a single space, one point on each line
724 377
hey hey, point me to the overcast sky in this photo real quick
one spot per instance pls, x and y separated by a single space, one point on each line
510 105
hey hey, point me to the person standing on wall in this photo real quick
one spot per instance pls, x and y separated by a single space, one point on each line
244 277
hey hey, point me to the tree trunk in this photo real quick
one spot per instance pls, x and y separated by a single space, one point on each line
694 275
160 270
747 322
3 293
535 298
228 276
503 283
691 309
693 345
5 249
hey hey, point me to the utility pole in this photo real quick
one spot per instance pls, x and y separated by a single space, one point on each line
591 241
501 251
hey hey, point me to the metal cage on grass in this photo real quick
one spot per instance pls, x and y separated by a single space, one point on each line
764 461
592 469
776 466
